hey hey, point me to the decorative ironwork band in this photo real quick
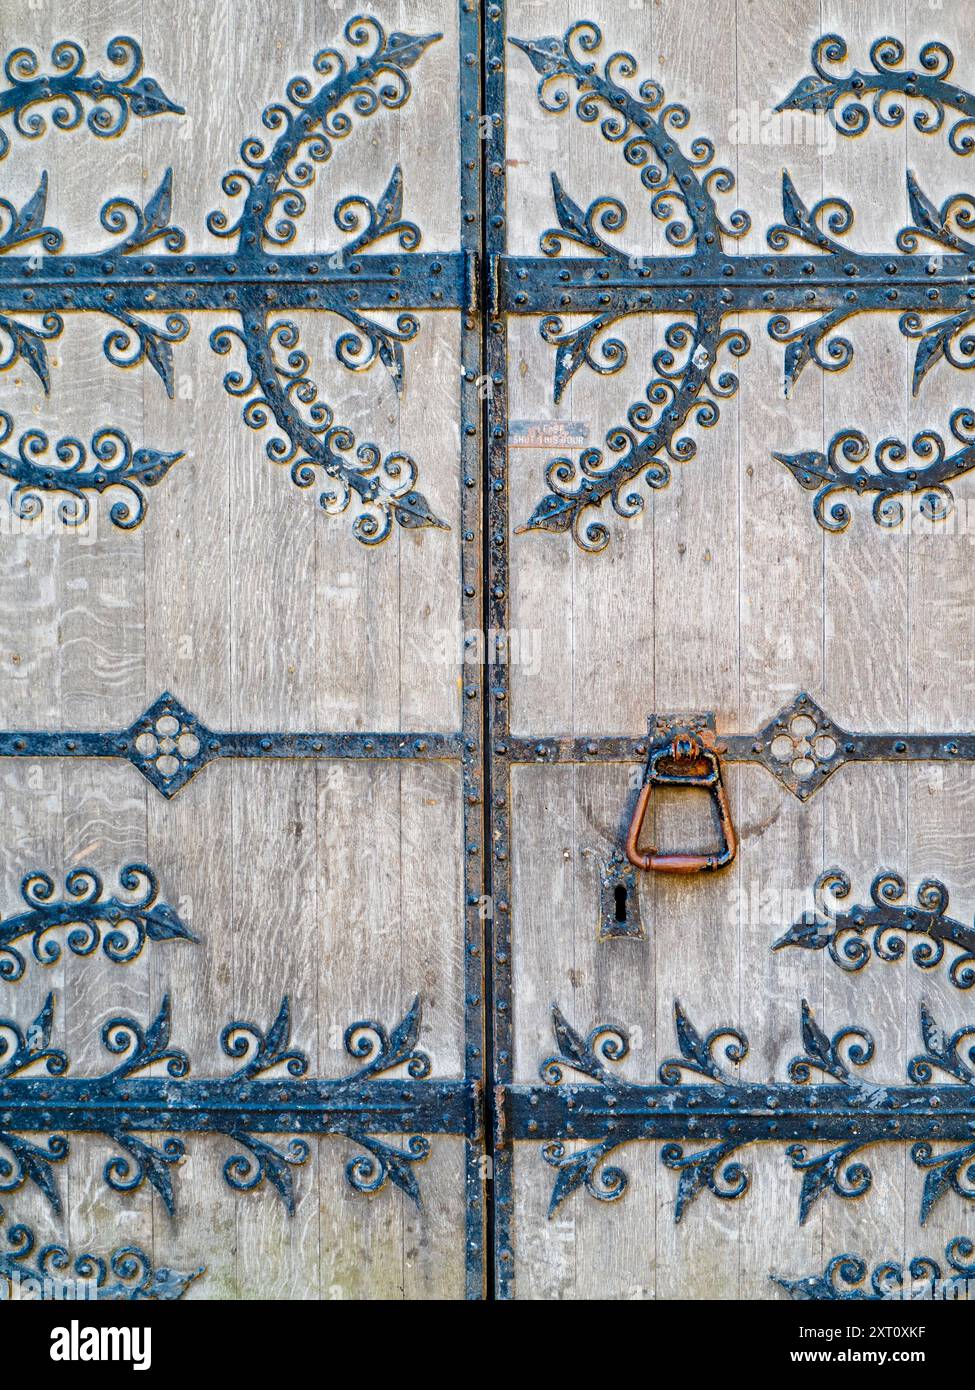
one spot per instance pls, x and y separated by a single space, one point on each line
169 745
801 746
847 1111
120 1104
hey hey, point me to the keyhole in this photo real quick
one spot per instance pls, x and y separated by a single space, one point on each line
620 895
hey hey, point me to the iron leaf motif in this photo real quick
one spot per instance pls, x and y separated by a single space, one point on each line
697 1053
829 1172
607 1042
584 1168
713 1170
20 1050
20 342
143 226
27 224
804 225
824 1054
946 1172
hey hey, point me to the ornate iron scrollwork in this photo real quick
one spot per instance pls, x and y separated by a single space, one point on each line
828 474
252 1101
131 921
924 1278
842 933
842 97
731 1113
69 87
704 286
255 282
116 468
126 1275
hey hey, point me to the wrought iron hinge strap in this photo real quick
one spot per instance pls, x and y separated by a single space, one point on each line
744 1112
533 285
88 1105
419 280
847 1112
802 764
123 1105
169 745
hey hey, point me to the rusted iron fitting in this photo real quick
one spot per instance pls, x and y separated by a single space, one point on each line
684 753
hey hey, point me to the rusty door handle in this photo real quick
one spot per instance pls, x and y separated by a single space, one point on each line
684 762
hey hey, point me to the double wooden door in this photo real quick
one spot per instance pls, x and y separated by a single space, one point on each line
528 416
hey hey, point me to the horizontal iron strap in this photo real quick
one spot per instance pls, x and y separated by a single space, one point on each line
539 285
267 1107
741 748
325 746
418 280
744 1112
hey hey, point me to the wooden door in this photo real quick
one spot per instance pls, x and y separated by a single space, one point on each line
702 583
326 852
